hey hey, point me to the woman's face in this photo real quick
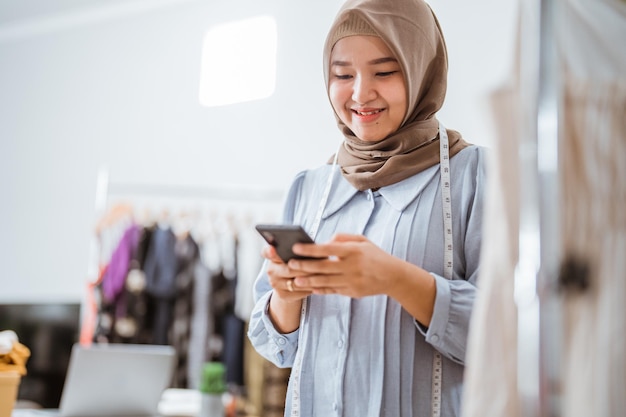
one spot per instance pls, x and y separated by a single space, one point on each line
366 87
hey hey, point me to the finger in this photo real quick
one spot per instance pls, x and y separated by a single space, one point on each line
319 251
327 269
305 265
316 282
296 294
277 273
344 237
269 253
341 245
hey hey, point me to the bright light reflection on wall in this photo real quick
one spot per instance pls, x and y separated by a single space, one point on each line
239 62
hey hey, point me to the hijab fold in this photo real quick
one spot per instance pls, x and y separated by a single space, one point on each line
411 31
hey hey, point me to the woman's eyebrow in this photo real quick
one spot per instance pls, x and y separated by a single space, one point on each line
382 60
376 61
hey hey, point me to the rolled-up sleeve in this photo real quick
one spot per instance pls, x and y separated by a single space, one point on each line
278 348
450 322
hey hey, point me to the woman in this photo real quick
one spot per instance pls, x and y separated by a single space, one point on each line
379 326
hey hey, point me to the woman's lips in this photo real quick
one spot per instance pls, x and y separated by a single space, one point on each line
367 115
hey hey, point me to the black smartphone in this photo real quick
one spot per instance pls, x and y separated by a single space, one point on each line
283 237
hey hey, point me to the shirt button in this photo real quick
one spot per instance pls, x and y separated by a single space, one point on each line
435 338
280 341
340 344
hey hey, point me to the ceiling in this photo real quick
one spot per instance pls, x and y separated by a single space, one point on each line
12 11
22 18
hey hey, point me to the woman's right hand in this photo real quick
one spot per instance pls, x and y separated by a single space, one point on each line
281 277
286 300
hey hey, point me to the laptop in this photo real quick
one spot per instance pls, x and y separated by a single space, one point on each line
116 380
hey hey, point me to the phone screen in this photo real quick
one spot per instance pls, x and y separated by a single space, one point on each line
283 237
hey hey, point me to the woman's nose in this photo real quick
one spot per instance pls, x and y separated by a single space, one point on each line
363 90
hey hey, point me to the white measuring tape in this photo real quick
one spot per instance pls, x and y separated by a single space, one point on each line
446 199
297 367
447 273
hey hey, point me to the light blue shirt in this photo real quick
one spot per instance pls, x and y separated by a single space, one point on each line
369 357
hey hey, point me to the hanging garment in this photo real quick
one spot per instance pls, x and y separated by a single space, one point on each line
593 194
491 366
113 302
115 276
225 344
134 325
201 324
232 356
126 319
140 307
187 254
594 243
592 168
161 269
249 262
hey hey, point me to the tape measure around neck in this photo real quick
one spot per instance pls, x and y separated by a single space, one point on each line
296 370
446 200
320 209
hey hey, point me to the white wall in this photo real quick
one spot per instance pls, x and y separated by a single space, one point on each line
116 84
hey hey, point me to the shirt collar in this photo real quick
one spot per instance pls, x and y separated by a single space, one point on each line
401 194
340 193
398 195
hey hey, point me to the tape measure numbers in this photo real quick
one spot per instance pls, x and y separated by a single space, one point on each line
448 253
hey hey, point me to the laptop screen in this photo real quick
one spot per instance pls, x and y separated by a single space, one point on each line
116 380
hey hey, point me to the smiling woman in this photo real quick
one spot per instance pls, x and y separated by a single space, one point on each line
377 324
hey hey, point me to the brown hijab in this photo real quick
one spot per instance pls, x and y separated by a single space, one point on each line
411 30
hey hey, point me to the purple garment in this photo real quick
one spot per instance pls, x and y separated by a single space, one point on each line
115 275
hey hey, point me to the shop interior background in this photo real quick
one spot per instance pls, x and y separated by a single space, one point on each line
87 84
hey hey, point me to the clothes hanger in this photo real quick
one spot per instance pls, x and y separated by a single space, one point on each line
117 213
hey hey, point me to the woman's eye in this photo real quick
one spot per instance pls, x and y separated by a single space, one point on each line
343 76
385 73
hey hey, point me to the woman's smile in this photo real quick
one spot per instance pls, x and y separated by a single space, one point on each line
367 115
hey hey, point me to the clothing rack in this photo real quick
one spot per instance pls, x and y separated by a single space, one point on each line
105 189
262 200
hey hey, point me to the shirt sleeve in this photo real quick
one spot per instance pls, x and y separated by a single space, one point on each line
454 301
278 348
450 322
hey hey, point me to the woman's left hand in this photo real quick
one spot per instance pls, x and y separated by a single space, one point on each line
354 267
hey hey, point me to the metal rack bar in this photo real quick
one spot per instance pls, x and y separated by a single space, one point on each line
106 188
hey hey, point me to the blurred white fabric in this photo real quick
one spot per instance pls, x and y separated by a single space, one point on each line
590 37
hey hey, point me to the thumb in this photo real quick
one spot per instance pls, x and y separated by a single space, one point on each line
269 252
